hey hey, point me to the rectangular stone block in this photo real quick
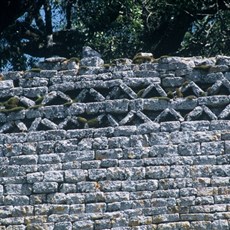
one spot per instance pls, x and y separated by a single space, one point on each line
6 84
45 187
75 175
213 148
95 208
163 151
55 176
16 200
190 149
195 125
157 172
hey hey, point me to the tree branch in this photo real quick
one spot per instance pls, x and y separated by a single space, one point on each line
48 17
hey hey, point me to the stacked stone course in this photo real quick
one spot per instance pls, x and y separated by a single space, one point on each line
122 146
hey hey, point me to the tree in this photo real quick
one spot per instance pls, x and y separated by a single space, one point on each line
117 28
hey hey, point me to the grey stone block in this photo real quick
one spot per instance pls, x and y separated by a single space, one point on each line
83 225
6 84
16 200
75 175
45 187
157 172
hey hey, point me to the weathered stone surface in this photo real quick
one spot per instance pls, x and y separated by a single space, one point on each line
121 147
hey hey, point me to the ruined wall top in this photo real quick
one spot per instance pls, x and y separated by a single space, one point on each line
131 145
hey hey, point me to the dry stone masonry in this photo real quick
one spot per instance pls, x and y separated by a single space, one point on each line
129 145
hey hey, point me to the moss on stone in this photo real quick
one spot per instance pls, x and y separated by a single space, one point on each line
35 70
35 106
161 98
93 122
82 120
11 103
15 109
191 97
142 59
179 93
204 68
107 66
68 103
39 100
75 59
140 92
170 94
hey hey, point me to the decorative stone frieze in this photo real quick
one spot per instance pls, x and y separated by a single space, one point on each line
126 145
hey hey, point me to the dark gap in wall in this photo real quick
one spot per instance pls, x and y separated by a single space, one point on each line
139 88
184 113
135 121
88 98
28 122
4 99
16 82
227 117
13 129
57 101
151 114
117 93
103 91
73 93
217 110
204 86
42 127
222 91
203 116
57 121
118 116
71 125
188 92
168 117
104 122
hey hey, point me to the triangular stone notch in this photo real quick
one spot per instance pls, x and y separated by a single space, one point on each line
169 114
134 118
225 114
56 98
42 124
69 123
89 95
121 92
153 90
221 87
191 89
201 113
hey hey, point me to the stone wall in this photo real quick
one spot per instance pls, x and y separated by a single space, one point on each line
120 146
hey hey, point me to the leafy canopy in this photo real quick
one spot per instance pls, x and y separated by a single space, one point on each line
32 29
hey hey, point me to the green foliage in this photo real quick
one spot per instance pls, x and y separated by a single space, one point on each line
116 29
82 120
39 100
11 103
93 122
75 59
35 70
14 109
204 68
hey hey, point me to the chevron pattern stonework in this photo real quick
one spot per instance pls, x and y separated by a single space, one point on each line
121 146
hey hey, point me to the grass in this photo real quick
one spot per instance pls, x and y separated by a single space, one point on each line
140 59
11 103
15 109
204 68
75 59
39 100
35 70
